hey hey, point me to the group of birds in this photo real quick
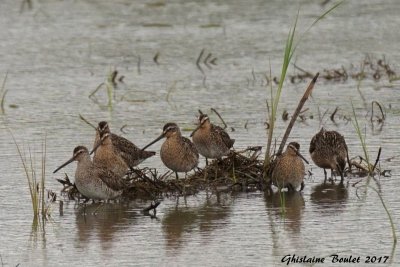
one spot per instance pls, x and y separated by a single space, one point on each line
328 150
114 156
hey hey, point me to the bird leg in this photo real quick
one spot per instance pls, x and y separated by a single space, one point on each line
341 172
176 173
325 175
302 186
206 161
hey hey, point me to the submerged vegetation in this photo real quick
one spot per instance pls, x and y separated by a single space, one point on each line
110 84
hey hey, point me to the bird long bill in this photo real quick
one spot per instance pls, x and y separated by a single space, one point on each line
99 142
301 156
155 140
65 164
198 127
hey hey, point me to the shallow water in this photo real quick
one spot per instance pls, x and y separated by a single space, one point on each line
57 53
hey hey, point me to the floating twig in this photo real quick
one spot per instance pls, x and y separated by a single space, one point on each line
3 93
219 116
380 119
155 58
209 59
123 128
377 159
198 61
138 64
113 77
333 114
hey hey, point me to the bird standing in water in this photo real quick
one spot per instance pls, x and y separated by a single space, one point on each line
210 140
116 153
288 169
92 181
328 150
177 152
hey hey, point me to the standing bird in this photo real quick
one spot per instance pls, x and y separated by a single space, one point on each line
93 181
116 153
288 168
177 152
210 140
328 150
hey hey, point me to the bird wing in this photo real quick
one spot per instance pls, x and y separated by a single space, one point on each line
224 136
110 179
129 151
312 144
188 145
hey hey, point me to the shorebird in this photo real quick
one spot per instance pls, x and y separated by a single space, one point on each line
177 152
210 140
116 153
288 170
92 181
328 150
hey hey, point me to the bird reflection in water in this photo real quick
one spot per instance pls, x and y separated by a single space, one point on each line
101 222
205 219
293 205
329 197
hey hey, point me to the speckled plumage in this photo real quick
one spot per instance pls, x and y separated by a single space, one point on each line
210 140
288 169
116 153
177 152
328 150
92 181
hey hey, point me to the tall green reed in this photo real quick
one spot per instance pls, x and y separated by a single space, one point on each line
36 180
290 48
370 169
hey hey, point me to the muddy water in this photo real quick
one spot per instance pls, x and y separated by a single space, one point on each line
57 53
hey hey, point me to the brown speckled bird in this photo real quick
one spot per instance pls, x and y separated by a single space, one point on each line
92 181
178 153
328 150
210 140
116 153
288 169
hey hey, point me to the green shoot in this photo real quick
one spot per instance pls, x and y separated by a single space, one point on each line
290 48
36 188
392 225
362 140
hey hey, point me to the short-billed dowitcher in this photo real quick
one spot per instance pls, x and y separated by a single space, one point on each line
177 152
92 181
116 153
210 140
288 170
328 150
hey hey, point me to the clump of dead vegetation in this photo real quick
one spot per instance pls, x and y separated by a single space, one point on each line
369 68
239 171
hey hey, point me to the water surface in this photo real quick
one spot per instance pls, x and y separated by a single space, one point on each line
57 53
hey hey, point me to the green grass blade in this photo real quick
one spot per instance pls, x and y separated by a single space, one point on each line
26 170
362 138
326 13
392 225
290 48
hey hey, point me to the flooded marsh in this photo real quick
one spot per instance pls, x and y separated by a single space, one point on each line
161 61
